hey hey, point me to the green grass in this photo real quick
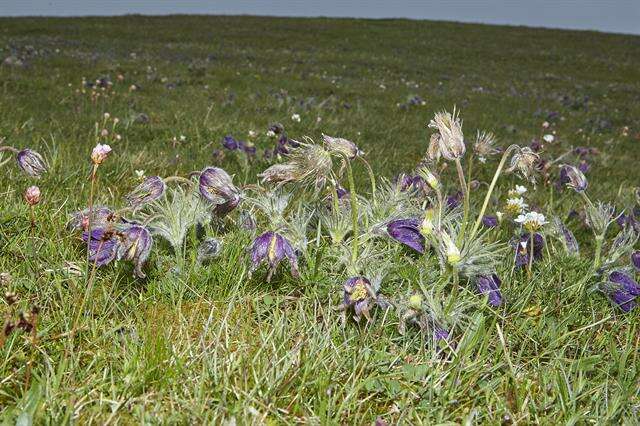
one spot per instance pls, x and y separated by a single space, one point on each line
199 344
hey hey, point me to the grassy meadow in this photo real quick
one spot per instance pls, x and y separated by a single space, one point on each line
214 342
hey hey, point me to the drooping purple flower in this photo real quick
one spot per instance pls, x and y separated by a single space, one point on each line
358 295
31 162
103 246
621 290
407 232
135 246
635 259
217 187
100 216
490 221
272 248
151 189
573 178
490 285
522 247
413 183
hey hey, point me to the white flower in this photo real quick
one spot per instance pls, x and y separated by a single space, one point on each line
183 138
516 205
252 134
517 191
271 133
545 124
548 138
100 153
139 174
296 118
531 221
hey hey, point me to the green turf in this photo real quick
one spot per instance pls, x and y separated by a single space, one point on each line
194 344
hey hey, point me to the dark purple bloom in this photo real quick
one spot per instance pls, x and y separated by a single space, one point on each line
635 259
622 290
535 145
413 183
100 216
628 284
31 162
522 246
567 237
624 300
103 246
573 178
135 246
440 333
217 187
342 193
407 232
490 285
358 295
149 190
490 221
584 166
272 248
454 200
230 143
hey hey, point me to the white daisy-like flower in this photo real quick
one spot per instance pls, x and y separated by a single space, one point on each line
296 118
139 174
532 221
271 133
516 206
252 134
548 138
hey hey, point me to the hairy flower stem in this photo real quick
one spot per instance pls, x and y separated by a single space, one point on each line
354 211
487 197
530 265
372 178
9 148
178 179
596 258
465 193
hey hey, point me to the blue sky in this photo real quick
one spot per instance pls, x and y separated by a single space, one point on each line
603 15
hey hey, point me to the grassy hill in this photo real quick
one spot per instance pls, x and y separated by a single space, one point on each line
194 343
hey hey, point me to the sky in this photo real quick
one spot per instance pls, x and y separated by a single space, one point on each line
621 16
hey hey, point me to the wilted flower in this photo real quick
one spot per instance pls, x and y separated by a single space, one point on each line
451 140
522 246
490 285
531 221
273 248
32 195
524 161
100 217
449 249
484 145
407 232
149 190
100 153
515 206
103 246
622 290
136 243
358 294
575 179
209 249
341 146
31 162
217 187
279 173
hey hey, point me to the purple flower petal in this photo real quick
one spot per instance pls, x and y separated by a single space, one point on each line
406 231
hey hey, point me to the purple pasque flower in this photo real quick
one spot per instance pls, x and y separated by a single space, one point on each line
490 285
103 245
358 294
216 186
490 221
635 259
135 245
621 290
272 248
31 162
407 232
573 178
440 333
522 247
230 143
151 189
100 217
455 200
413 183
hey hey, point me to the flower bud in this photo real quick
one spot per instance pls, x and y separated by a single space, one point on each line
32 195
151 189
216 186
574 178
415 302
31 162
